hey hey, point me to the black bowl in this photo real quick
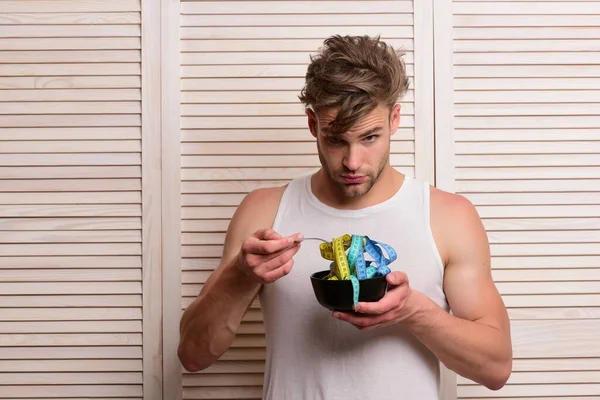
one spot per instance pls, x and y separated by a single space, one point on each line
337 295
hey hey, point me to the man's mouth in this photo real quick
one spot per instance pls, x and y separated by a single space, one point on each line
352 179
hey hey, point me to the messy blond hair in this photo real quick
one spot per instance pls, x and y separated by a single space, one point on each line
353 74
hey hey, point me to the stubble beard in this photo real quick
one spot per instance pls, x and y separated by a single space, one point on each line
355 190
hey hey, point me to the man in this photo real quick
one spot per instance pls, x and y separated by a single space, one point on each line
387 349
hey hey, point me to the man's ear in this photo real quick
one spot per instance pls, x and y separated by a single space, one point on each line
312 122
394 119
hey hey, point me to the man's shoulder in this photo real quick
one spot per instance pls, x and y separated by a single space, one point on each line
451 205
265 199
455 223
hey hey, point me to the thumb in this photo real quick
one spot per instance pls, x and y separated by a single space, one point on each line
396 278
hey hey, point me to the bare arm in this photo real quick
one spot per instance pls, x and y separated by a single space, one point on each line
209 324
475 341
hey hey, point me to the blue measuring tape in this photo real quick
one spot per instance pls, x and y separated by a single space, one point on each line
353 266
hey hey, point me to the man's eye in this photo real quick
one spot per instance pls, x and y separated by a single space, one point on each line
371 138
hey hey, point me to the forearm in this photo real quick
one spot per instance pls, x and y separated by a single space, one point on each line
472 349
209 324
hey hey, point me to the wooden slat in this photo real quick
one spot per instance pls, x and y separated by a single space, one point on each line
262 20
539 198
298 7
527 160
526 391
66 43
591 236
63 159
523 44
565 225
580 301
53 391
47 95
70 314
574 83
280 57
70 82
70 198
528 173
485 20
526 33
70 224
104 172
10 121
85 6
302 32
274 44
524 186
70 275
76 365
72 249
60 210
525 8
545 275
547 261
60 288
558 313
74 236
102 300
67 339
76 378
77 56
33 17
70 185
127 357
81 69
67 31
56 327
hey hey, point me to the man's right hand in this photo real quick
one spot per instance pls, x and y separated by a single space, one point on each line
266 256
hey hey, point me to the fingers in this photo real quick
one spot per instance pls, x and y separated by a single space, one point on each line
267 242
394 298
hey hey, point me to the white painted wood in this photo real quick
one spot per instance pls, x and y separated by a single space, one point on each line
70 201
151 115
171 98
525 148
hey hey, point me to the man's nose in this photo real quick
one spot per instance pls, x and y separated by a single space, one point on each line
353 159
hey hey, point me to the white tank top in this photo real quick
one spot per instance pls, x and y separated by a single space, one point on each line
310 354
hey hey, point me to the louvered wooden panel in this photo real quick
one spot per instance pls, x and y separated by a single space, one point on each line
70 200
526 146
242 68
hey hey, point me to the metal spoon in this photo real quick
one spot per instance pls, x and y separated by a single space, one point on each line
311 238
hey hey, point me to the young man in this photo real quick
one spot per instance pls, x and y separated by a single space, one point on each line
388 349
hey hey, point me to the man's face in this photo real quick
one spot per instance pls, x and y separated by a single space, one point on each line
354 159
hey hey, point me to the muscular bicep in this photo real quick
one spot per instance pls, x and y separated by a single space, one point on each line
468 283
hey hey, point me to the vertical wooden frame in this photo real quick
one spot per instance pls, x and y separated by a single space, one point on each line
444 95
424 90
171 192
443 115
151 201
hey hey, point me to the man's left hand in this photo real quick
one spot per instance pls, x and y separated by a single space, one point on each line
397 305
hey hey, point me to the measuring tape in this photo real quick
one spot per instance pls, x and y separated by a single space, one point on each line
353 266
